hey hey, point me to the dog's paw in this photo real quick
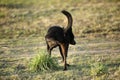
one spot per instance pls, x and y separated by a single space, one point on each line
60 61
65 69
68 64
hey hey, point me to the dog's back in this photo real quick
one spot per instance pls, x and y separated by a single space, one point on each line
55 33
59 34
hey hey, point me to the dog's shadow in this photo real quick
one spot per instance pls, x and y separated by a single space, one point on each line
73 67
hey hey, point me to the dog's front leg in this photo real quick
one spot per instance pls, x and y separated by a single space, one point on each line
66 48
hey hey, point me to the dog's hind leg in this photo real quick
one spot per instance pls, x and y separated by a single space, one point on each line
48 49
61 53
64 55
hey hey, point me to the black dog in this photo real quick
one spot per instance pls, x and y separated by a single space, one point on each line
57 36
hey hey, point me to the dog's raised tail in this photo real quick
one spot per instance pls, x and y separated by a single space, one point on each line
69 17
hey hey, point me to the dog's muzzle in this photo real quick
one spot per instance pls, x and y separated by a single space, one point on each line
73 42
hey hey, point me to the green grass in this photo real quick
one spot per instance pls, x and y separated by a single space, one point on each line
24 23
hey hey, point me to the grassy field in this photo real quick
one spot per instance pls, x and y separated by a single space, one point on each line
96 56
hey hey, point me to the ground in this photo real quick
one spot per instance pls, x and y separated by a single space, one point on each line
23 25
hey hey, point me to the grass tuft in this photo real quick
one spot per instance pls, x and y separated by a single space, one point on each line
43 62
98 68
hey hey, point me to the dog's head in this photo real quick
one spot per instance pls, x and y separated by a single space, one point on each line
70 37
72 41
